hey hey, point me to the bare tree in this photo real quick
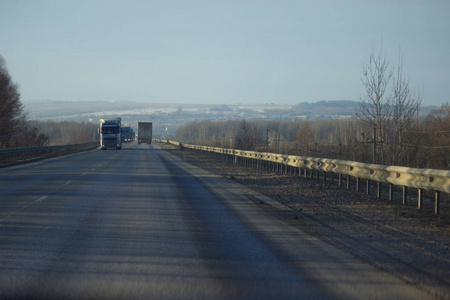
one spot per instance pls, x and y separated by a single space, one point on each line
243 138
405 106
436 134
374 107
11 110
248 138
304 140
14 128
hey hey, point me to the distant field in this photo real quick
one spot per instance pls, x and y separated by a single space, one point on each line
86 110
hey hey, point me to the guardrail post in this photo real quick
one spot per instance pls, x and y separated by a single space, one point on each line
391 192
357 184
437 199
404 196
368 187
348 181
419 198
378 189
340 180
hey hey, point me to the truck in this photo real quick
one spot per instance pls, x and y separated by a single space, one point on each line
110 133
127 134
145 132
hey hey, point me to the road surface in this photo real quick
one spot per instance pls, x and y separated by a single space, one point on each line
140 223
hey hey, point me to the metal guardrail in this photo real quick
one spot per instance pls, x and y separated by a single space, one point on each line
7 155
421 179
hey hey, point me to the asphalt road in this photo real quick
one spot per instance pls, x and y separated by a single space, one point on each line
141 224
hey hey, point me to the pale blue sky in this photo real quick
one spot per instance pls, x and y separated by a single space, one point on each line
249 52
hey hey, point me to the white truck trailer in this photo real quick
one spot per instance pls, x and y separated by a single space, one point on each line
145 132
110 133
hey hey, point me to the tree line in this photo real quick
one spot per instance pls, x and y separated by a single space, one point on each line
425 145
64 133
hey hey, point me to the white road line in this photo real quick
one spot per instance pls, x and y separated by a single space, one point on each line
41 198
19 210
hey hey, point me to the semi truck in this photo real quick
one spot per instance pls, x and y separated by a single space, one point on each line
145 132
127 134
110 133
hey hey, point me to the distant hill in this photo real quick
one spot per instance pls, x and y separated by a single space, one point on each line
92 110
325 107
339 107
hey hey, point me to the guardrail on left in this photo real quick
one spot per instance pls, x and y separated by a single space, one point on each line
19 154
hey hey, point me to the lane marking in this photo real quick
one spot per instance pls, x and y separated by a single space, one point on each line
38 200
41 198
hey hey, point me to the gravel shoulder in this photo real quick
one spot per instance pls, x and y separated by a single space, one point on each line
409 243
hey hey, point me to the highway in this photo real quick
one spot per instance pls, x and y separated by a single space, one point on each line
138 223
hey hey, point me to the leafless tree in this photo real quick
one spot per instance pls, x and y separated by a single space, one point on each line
374 107
11 109
405 106
248 138
14 128
304 140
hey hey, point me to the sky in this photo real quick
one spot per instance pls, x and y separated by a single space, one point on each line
220 52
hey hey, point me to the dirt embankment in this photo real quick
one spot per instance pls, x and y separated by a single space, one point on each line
413 244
